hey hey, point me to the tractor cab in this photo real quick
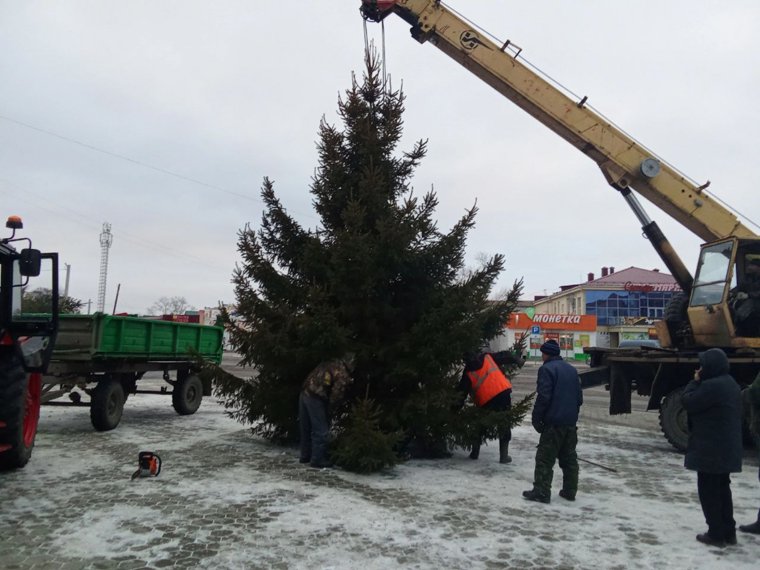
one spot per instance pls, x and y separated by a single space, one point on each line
25 328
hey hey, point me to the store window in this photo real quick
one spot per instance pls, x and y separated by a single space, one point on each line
566 341
622 307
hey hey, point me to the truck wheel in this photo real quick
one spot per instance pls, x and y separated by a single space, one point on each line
676 317
187 395
107 404
673 421
675 310
20 396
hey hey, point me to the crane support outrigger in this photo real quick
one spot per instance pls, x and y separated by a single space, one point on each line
706 314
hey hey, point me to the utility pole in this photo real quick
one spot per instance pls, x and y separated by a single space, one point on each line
66 287
116 300
106 239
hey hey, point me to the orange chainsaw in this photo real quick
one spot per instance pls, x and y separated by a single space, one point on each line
149 465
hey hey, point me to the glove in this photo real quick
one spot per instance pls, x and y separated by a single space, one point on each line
741 296
538 426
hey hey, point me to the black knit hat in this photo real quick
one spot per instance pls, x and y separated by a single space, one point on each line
550 347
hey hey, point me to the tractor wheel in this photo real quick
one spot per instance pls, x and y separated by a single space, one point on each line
20 396
107 404
187 395
673 420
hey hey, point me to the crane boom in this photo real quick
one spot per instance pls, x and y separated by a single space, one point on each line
624 162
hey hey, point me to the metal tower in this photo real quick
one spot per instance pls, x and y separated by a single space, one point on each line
106 239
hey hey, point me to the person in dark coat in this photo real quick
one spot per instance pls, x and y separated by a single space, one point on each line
490 389
752 399
713 403
555 414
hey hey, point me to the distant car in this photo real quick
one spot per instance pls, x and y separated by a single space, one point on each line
639 343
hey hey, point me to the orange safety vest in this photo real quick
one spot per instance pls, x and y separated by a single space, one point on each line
487 381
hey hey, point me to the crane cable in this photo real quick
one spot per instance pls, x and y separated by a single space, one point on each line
382 28
382 49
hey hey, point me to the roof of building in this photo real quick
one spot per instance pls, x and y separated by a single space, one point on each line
633 275
629 275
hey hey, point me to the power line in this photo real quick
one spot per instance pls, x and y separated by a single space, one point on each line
129 159
151 245
142 164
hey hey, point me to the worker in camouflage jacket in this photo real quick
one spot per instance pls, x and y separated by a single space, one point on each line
323 389
555 414
752 408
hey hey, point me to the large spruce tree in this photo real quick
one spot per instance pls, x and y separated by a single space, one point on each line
377 278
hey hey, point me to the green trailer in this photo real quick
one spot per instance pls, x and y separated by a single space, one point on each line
105 357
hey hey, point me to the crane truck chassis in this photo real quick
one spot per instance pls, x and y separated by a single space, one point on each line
705 314
45 356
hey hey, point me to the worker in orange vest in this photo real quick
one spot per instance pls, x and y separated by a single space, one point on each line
489 388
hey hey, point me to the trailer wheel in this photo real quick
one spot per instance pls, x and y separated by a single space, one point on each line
107 404
187 395
673 420
128 383
20 396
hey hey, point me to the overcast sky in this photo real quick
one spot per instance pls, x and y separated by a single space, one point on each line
163 117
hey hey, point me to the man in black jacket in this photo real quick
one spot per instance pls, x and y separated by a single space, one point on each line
713 403
555 415
751 398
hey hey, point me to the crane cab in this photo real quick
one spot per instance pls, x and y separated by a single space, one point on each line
724 305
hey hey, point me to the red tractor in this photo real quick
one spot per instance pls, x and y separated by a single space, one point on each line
26 343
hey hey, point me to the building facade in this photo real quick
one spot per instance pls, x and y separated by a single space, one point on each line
572 332
602 312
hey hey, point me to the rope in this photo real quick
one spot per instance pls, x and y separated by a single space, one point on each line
598 465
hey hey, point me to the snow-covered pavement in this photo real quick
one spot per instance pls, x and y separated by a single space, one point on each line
227 500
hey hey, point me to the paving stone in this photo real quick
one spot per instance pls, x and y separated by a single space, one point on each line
248 504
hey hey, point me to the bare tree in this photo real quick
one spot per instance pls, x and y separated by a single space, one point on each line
169 306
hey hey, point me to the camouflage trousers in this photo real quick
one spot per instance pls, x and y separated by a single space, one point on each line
557 443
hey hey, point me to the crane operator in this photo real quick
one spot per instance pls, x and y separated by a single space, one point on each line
746 302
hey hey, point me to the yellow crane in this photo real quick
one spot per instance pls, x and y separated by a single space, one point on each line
709 312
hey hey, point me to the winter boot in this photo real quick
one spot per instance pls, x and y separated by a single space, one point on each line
536 495
567 495
705 538
753 528
504 452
